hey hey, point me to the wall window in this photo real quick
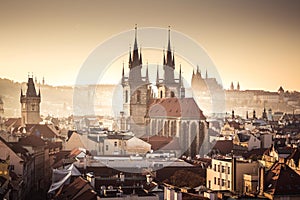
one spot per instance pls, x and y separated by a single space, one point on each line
218 168
218 181
106 147
223 182
215 180
228 170
223 169
228 184
161 94
215 167
116 144
172 94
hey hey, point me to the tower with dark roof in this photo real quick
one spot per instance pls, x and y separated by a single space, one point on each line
169 86
30 104
136 88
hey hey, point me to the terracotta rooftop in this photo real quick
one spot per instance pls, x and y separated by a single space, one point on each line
282 180
175 107
157 142
31 140
44 130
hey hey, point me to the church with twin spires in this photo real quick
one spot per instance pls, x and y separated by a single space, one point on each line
166 113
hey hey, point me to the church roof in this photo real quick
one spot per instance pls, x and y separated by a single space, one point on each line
175 107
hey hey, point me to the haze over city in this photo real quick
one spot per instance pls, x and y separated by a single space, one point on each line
253 42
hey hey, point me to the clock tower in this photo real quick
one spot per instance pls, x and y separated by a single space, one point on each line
30 104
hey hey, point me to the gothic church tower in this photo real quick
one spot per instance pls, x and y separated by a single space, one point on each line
136 88
30 104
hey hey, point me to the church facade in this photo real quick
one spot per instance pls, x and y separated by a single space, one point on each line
166 113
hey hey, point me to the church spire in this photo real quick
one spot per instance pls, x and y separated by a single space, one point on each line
180 74
157 75
135 47
169 38
141 60
170 60
164 61
147 74
206 75
135 57
129 60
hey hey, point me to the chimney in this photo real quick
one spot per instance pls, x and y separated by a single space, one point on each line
261 176
91 178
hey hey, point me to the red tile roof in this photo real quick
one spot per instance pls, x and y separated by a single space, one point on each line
31 140
157 142
175 107
44 130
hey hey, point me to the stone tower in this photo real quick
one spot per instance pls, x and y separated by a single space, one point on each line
30 104
169 86
136 88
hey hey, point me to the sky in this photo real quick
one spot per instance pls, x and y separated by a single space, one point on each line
255 43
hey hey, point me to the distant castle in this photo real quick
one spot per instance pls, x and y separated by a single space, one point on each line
169 114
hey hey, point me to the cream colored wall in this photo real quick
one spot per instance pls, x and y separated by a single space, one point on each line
14 158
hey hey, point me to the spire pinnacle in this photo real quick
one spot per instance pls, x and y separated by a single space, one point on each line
169 38
206 75
147 74
135 38
157 75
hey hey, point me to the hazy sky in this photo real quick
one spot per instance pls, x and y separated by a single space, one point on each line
254 42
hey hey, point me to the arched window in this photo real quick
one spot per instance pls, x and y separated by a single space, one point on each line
172 94
126 96
138 96
161 94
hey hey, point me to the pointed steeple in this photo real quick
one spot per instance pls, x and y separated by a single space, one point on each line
238 86
135 47
123 72
231 86
129 59
173 59
135 57
31 92
141 60
206 75
147 74
164 61
169 61
169 40
157 75
180 73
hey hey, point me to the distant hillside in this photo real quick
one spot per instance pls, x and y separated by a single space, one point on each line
58 100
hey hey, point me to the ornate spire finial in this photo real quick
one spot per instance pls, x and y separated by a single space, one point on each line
135 38
169 38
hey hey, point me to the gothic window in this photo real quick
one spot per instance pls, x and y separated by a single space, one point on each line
126 96
32 107
138 96
161 94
